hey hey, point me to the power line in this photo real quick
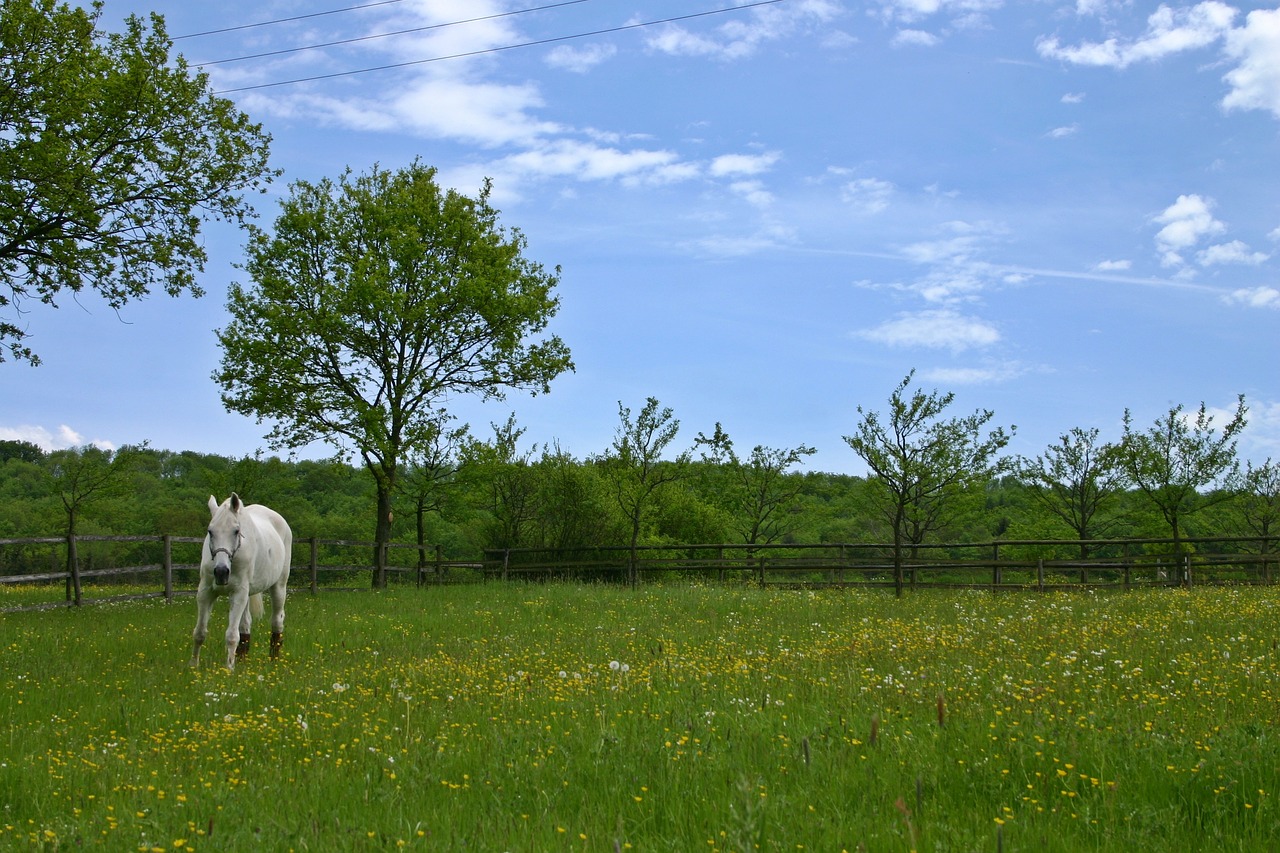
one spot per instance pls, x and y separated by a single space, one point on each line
483 51
286 20
384 35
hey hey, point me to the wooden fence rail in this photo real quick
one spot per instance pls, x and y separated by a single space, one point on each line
999 564
430 567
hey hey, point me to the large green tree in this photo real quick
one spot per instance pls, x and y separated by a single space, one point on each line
111 155
921 460
377 299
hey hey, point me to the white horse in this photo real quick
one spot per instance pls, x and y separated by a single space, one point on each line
246 553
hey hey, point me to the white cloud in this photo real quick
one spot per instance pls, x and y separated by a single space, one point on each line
741 37
1262 438
1255 48
1234 252
1274 234
1255 297
586 161
947 376
1255 82
1187 221
728 165
769 236
1064 132
1073 98
1169 31
1112 266
753 192
934 329
580 59
967 12
914 38
61 439
867 195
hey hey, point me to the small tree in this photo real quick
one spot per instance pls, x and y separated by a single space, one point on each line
757 492
377 299
1258 505
503 483
429 477
1075 480
111 154
918 457
1179 456
635 469
573 508
82 477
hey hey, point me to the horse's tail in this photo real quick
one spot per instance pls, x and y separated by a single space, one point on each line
255 605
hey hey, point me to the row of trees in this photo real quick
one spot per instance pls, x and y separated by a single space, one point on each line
933 476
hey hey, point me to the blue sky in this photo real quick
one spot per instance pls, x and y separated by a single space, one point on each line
767 216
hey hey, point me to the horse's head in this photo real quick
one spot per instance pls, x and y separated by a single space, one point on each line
223 539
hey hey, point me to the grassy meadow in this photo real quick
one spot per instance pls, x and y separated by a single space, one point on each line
670 718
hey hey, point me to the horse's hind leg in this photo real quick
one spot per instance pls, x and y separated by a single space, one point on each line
277 619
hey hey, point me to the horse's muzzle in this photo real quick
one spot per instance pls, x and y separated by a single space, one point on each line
221 575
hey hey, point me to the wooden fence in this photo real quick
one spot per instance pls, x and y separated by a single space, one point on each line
326 564
998 564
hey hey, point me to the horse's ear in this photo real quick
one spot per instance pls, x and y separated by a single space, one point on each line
236 503
213 505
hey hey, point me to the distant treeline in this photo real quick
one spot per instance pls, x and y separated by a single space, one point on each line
545 500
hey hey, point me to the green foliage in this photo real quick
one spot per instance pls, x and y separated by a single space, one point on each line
634 467
1077 480
756 494
377 298
1178 460
111 154
924 463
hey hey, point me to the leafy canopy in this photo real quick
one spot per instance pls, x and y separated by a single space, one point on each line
377 298
111 155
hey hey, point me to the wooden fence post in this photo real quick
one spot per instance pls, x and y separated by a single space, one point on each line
168 568
506 561
1040 574
1188 570
313 564
996 576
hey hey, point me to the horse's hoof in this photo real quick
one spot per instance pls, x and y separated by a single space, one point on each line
277 642
243 648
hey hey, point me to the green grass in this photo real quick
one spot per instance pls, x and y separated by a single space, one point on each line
672 718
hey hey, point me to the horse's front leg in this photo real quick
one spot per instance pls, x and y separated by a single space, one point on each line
204 603
238 626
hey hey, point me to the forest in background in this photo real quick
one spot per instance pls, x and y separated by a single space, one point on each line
546 498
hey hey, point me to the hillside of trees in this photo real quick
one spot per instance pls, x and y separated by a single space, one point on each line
492 496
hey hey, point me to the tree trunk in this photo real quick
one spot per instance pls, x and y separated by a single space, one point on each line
73 566
382 535
898 579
